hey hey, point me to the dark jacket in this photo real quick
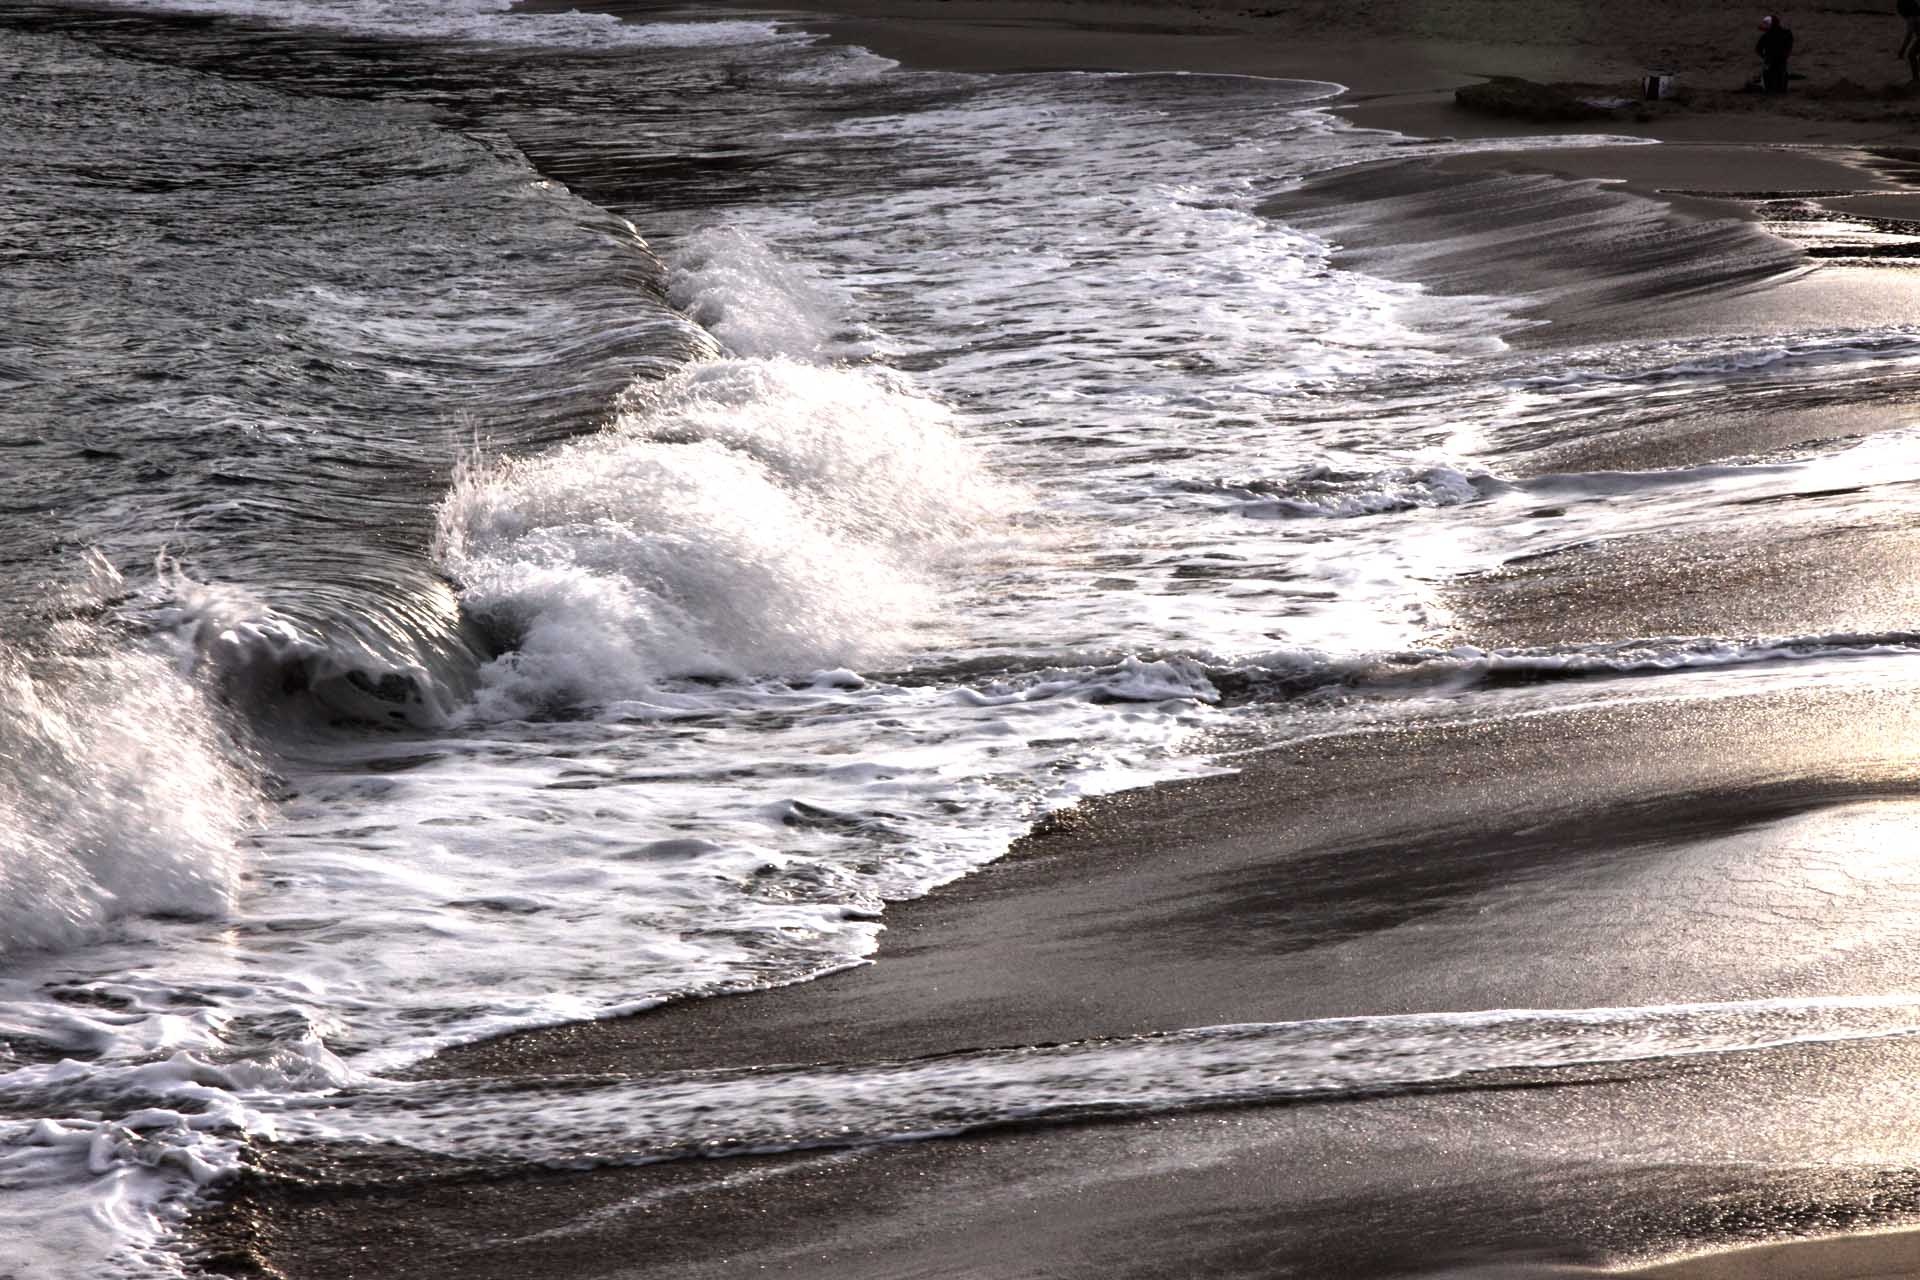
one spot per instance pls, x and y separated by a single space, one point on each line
1776 42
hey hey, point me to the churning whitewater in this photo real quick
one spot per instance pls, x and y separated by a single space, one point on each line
454 588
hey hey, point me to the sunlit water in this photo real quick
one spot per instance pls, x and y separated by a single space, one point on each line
519 518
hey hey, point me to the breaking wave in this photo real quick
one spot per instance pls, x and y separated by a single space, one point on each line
745 517
120 793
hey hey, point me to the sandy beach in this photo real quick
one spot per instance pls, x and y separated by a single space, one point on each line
1380 871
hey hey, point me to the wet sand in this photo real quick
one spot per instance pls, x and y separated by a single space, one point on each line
1500 1180
1741 846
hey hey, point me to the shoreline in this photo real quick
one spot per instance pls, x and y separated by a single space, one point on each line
1399 60
1113 920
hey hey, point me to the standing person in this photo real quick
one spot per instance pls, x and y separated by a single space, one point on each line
1776 42
1909 10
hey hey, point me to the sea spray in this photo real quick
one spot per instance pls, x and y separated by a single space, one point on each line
119 792
746 517
759 302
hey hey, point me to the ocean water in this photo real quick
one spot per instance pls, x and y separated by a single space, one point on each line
518 518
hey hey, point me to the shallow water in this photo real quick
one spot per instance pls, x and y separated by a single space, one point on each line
518 519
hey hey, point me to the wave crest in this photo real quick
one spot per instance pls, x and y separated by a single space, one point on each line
118 792
744 517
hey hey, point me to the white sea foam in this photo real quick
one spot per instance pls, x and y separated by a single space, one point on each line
1330 491
118 791
1163 318
652 1117
838 66
482 22
1447 671
758 303
746 517
1715 358
120 1185
1326 693
122 799
1859 482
